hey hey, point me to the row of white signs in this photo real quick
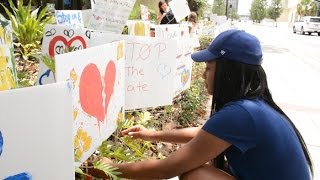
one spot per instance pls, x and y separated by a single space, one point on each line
153 66
111 16
69 120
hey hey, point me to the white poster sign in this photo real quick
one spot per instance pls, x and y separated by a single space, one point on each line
180 9
149 69
138 28
172 31
69 18
97 76
144 13
111 15
8 74
36 140
184 65
58 40
86 15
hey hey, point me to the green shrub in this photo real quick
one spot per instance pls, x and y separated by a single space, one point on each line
205 41
27 27
194 100
125 148
136 11
153 16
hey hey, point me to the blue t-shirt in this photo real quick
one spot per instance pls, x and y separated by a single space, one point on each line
264 144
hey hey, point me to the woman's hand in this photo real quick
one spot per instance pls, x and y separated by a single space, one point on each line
160 17
138 132
105 160
97 172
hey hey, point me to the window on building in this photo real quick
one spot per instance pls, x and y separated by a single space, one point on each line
315 20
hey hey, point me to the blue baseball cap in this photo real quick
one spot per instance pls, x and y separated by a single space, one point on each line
233 45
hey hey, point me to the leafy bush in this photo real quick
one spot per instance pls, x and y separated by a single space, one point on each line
205 41
136 11
28 27
153 15
124 148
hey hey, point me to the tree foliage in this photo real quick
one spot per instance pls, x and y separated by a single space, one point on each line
307 8
275 10
258 10
219 7
233 14
198 6
136 11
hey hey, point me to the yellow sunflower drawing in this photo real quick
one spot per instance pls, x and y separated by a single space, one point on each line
82 143
120 51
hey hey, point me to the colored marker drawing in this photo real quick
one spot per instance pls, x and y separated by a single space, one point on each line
97 86
1 143
8 75
21 176
82 143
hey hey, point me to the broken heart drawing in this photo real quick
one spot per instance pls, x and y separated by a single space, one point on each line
96 81
93 89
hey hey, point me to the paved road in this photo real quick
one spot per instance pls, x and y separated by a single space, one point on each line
292 63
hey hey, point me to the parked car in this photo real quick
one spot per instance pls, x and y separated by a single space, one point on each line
307 24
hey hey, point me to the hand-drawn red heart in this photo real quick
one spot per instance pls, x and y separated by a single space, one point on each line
66 42
90 92
109 79
91 89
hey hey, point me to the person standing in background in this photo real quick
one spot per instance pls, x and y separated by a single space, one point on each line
193 28
193 24
165 15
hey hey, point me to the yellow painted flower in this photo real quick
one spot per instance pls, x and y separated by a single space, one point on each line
73 77
2 51
120 118
6 77
75 113
82 143
139 29
1 34
120 51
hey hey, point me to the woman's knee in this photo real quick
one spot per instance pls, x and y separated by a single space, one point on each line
206 172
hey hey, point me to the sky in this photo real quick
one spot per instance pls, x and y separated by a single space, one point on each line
244 6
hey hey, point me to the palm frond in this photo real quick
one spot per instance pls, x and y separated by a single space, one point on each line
107 169
47 60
